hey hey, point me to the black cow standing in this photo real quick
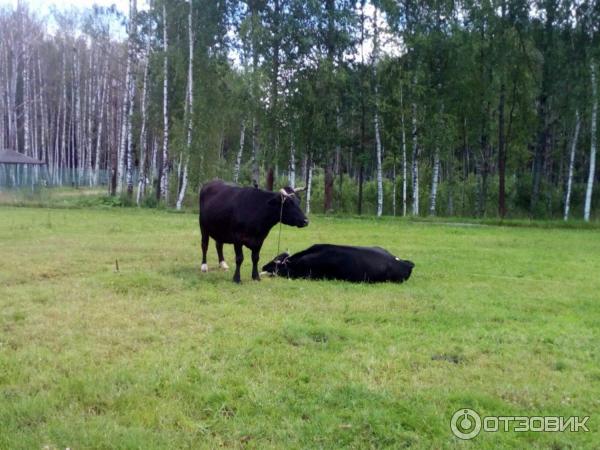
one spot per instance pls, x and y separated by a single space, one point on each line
241 216
342 262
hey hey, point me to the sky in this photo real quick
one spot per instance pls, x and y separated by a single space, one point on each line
43 7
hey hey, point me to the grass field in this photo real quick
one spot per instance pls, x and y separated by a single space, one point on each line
505 321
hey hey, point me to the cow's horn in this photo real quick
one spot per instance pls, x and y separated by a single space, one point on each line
284 193
296 190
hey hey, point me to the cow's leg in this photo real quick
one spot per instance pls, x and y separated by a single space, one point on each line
255 257
204 266
239 258
222 264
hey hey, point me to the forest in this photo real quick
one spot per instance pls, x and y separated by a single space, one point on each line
380 107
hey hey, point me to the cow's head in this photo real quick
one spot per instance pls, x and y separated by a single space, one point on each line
287 201
402 269
277 266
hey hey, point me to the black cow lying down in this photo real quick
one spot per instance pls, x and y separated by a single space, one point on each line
341 262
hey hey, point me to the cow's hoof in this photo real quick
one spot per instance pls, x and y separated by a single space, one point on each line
237 281
256 278
223 265
204 268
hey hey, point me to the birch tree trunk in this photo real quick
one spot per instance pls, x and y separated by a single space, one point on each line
309 184
63 137
255 149
103 106
131 57
184 182
376 119
141 192
572 165
43 119
124 129
77 143
415 158
164 181
238 159
404 168
394 187
434 181
189 110
26 103
379 166
594 119
12 98
292 168
92 96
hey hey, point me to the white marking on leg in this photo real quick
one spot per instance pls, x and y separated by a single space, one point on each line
223 265
204 268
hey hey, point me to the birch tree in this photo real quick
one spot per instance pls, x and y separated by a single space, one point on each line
404 168
292 164
188 109
571 165
164 180
593 138
415 157
376 118
309 177
238 159
142 176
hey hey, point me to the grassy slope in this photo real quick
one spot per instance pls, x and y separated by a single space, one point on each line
502 320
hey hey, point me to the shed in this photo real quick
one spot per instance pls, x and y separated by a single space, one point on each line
11 157
17 169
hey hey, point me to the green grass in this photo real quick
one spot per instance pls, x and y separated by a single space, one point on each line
502 320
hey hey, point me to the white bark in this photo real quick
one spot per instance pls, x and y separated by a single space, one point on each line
43 130
99 130
63 137
2 97
26 103
184 182
129 148
143 151
164 182
292 172
91 112
309 185
379 166
415 162
154 161
572 165
434 181
131 56
190 81
189 110
337 166
404 168
376 119
592 170
238 159
78 141
394 187
255 144
12 96
124 129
